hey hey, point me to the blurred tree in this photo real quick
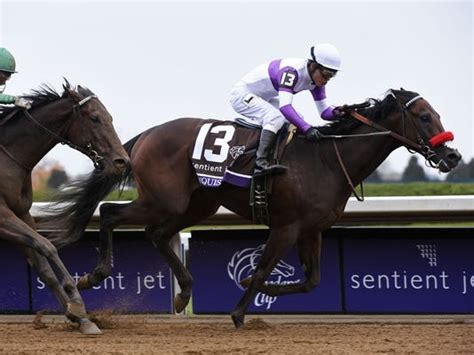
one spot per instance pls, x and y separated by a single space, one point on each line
414 171
462 173
39 176
374 177
57 178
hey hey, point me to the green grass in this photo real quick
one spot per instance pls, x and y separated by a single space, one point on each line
370 189
419 189
126 195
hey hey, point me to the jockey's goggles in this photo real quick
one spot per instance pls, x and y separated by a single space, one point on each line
327 73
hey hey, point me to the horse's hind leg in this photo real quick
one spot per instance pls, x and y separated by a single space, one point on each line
309 249
279 243
161 236
199 209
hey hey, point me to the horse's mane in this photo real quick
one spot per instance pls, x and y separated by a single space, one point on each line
43 95
376 111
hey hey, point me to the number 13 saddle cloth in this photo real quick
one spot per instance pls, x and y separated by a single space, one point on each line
224 151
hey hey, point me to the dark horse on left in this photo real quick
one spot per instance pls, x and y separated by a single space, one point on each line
76 118
307 199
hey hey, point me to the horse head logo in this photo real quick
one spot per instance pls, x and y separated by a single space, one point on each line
244 262
236 151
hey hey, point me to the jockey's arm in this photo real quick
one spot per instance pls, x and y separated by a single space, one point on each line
325 110
287 79
287 109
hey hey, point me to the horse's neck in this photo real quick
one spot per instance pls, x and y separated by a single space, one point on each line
361 156
26 142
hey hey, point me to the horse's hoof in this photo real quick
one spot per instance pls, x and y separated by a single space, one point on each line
75 311
238 320
88 327
180 303
245 283
83 282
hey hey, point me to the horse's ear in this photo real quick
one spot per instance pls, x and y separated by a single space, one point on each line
66 84
82 90
390 92
73 94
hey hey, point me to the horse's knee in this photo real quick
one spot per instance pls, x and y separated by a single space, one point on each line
103 271
258 278
68 285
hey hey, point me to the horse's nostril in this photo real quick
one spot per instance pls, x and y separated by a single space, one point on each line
454 156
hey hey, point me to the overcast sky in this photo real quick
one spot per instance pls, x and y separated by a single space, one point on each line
155 61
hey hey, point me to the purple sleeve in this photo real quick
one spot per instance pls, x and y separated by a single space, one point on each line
328 114
319 96
319 93
291 115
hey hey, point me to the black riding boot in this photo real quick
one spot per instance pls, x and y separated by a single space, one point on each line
262 165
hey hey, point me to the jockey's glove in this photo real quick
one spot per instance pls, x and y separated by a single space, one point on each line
22 102
313 134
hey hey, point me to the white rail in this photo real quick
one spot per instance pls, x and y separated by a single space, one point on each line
373 209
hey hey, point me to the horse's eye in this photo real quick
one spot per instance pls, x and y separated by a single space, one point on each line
425 118
95 119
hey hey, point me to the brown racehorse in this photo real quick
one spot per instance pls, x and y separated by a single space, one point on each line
76 118
307 199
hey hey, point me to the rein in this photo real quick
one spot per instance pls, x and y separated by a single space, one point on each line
385 131
348 177
91 153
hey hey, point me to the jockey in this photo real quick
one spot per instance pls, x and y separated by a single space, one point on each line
7 68
266 93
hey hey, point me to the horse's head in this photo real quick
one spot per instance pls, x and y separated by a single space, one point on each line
421 125
92 132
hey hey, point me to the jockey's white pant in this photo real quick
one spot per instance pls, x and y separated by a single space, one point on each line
257 110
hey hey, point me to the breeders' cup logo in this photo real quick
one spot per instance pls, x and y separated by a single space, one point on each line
236 151
243 264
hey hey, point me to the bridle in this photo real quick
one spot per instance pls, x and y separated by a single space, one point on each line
423 145
89 151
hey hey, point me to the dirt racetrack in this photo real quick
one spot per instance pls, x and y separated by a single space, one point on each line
216 335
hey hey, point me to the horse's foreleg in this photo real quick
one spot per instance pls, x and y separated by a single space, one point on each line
279 243
74 310
111 216
309 249
46 274
21 233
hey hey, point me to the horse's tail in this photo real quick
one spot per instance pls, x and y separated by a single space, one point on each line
72 209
